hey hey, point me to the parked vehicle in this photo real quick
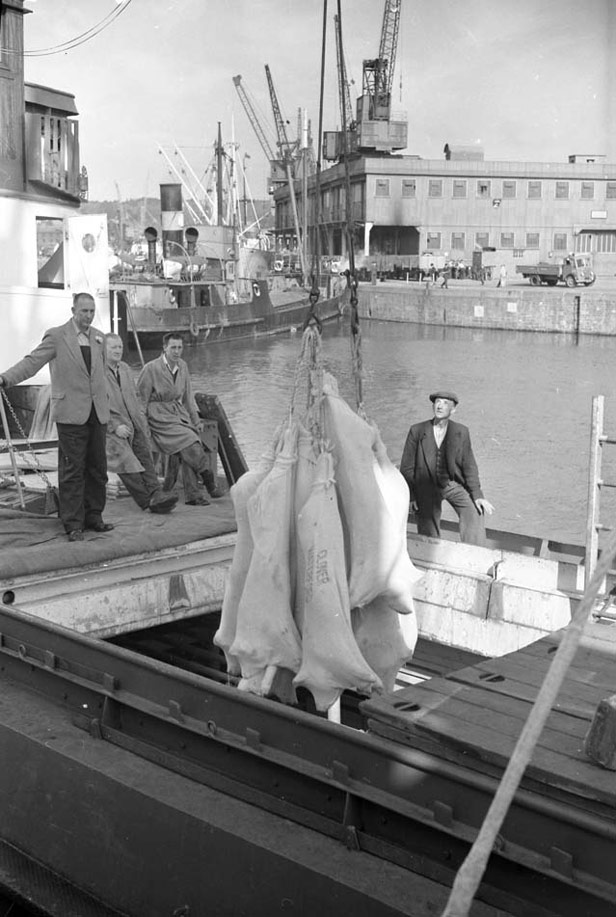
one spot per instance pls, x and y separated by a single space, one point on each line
574 270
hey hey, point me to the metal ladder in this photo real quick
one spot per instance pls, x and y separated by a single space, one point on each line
598 439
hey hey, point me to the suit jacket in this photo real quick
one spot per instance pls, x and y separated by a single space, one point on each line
124 408
418 465
73 389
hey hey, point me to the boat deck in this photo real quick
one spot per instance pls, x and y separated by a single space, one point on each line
473 717
31 543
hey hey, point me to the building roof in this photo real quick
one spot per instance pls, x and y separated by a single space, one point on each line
44 97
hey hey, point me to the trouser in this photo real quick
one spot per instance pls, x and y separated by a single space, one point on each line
82 472
194 462
472 525
142 485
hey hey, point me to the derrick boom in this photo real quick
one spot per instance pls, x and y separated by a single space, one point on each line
252 117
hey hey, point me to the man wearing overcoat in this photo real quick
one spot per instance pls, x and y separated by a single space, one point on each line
165 389
129 452
438 464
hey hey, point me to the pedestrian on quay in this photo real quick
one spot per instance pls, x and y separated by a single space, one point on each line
502 276
165 390
129 453
445 277
75 353
438 464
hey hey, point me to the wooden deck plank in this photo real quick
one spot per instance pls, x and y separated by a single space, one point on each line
427 743
562 735
576 776
512 678
433 694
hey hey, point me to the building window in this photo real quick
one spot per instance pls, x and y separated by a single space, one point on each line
458 240
605 242
3 36
534 190
483 188
409 187
583 242
562 190
560 242
382 187
459 187
588 190
49 247
433 240
610 190
435 187
482 239
509 189
506 240
532 240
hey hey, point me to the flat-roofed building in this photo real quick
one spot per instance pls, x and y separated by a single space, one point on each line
405 206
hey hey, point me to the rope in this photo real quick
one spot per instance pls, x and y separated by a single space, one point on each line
356 355
309 371
471 872
312 316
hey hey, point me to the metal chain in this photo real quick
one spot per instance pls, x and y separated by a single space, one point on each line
36 464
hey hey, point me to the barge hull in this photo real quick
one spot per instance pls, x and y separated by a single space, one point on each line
155 789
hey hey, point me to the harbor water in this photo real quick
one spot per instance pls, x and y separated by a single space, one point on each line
526 398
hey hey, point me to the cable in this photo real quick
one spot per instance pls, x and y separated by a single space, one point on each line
84 36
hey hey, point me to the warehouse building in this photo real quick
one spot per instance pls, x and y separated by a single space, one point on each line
461 208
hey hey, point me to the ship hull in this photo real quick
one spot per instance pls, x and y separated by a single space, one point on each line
146 312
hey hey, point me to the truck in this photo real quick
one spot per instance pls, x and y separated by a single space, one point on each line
573 270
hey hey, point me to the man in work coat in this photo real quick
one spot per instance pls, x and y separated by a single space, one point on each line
128 439
165 389
80 408
438 464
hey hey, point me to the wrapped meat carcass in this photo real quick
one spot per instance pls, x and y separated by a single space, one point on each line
402 574
240 493
386 639
266 635
304 478
374 504
331 660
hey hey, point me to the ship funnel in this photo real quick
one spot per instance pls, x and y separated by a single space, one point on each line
192 235
172 220
150 237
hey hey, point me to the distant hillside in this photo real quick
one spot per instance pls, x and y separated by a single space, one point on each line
128 219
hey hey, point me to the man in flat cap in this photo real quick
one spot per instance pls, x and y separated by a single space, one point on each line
438 464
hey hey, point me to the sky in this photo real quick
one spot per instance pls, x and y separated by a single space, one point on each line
530 80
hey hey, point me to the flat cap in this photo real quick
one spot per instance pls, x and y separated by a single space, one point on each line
451 396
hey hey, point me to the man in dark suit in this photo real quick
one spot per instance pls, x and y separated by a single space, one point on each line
438 464
80 408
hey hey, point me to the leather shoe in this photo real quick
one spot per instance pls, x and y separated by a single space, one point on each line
75 535
100 526
163 504
199 500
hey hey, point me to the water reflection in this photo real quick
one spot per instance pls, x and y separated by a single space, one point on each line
526 398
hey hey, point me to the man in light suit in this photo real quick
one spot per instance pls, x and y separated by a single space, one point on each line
438 464
80 408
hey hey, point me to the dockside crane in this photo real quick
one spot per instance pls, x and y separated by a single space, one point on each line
339 144
288 152
344 90
375 130
286 147
277 176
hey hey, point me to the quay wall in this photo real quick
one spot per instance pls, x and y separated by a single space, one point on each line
577 311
